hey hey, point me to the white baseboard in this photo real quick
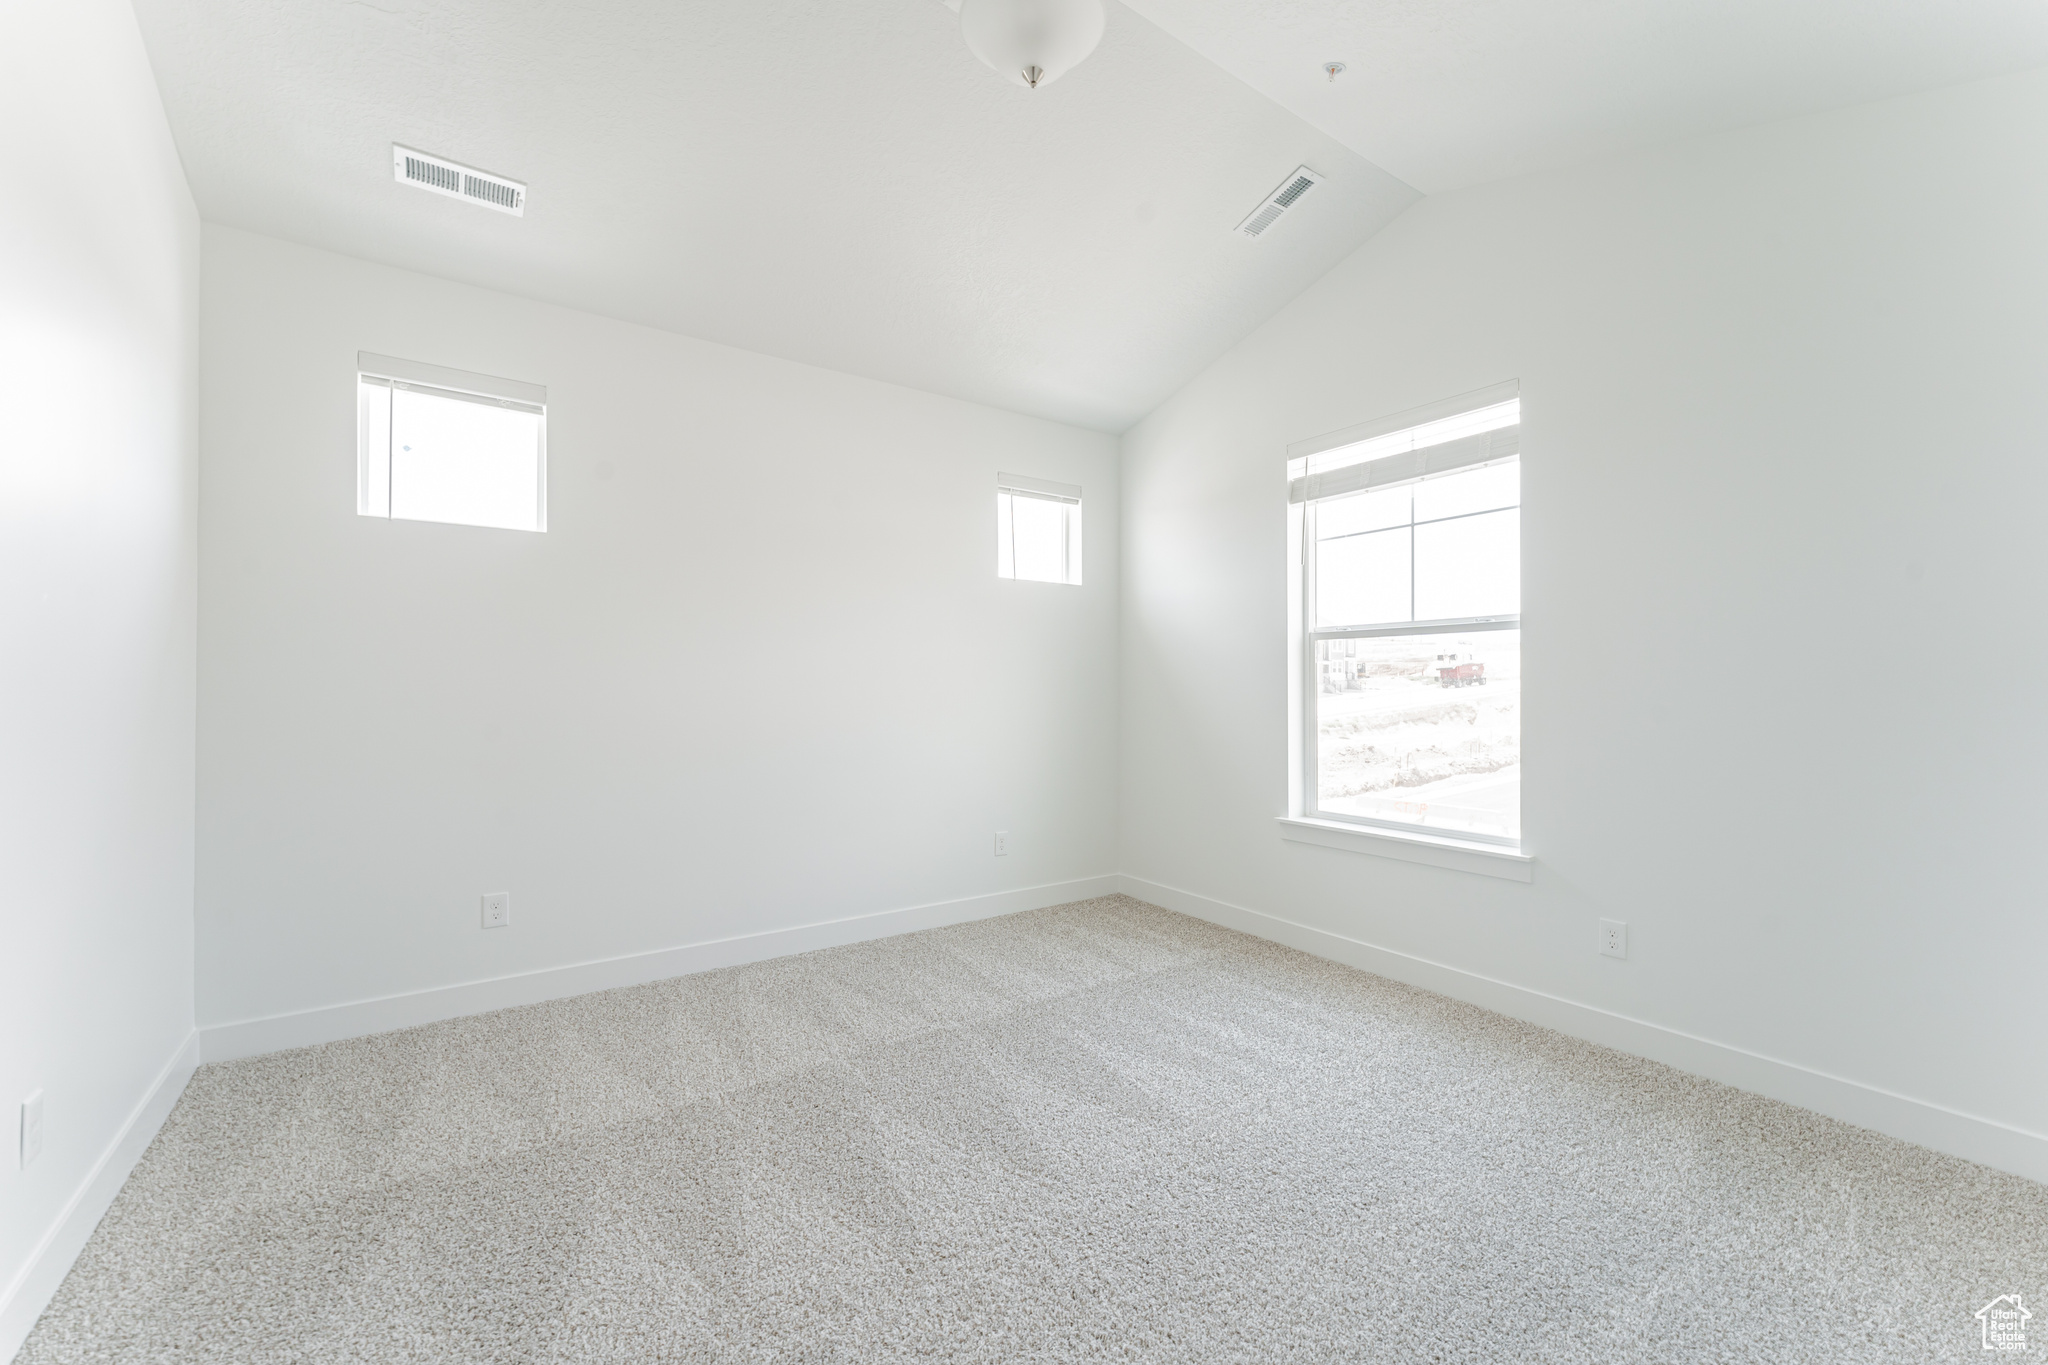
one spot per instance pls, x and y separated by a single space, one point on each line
1968 1136
303 1028
35 1285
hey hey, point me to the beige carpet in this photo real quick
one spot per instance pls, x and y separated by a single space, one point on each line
1098 1132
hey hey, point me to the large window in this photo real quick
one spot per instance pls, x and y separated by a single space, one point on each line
1038 530
1410 630
435 444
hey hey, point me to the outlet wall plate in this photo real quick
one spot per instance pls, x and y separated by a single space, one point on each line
31 1128
1613 938
1002 843
497 909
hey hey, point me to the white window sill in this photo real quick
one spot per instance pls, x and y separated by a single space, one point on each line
1488 860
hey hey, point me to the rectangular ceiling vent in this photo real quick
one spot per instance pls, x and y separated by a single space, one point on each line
457 181
1280 201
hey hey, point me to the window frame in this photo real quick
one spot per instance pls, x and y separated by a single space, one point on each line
440 381
1304 785
1072 542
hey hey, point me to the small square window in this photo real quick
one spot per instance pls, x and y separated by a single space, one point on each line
441 445
1038 530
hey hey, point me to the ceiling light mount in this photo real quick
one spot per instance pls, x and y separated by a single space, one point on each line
1033 42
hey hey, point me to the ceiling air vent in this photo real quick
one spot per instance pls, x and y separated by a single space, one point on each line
457 181
1279 201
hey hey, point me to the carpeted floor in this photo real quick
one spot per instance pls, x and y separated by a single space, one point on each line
1097 1132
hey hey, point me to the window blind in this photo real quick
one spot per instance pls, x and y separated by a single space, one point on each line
452 383
1038 488
1408 466
458 395
1480 429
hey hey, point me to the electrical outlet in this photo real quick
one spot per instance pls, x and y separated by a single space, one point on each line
1613 938
1002 843
31 1128
497 909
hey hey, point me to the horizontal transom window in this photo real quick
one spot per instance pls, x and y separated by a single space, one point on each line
435 444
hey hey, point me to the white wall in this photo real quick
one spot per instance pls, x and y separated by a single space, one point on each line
99 278
1786 459
758 673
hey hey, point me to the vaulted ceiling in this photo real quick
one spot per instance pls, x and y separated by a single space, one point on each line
841 183
1449 93
835 181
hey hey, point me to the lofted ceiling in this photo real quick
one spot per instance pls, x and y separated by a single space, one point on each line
1449 93
840 182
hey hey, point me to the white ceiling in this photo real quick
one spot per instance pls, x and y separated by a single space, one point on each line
835 181
840 182
1448 93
